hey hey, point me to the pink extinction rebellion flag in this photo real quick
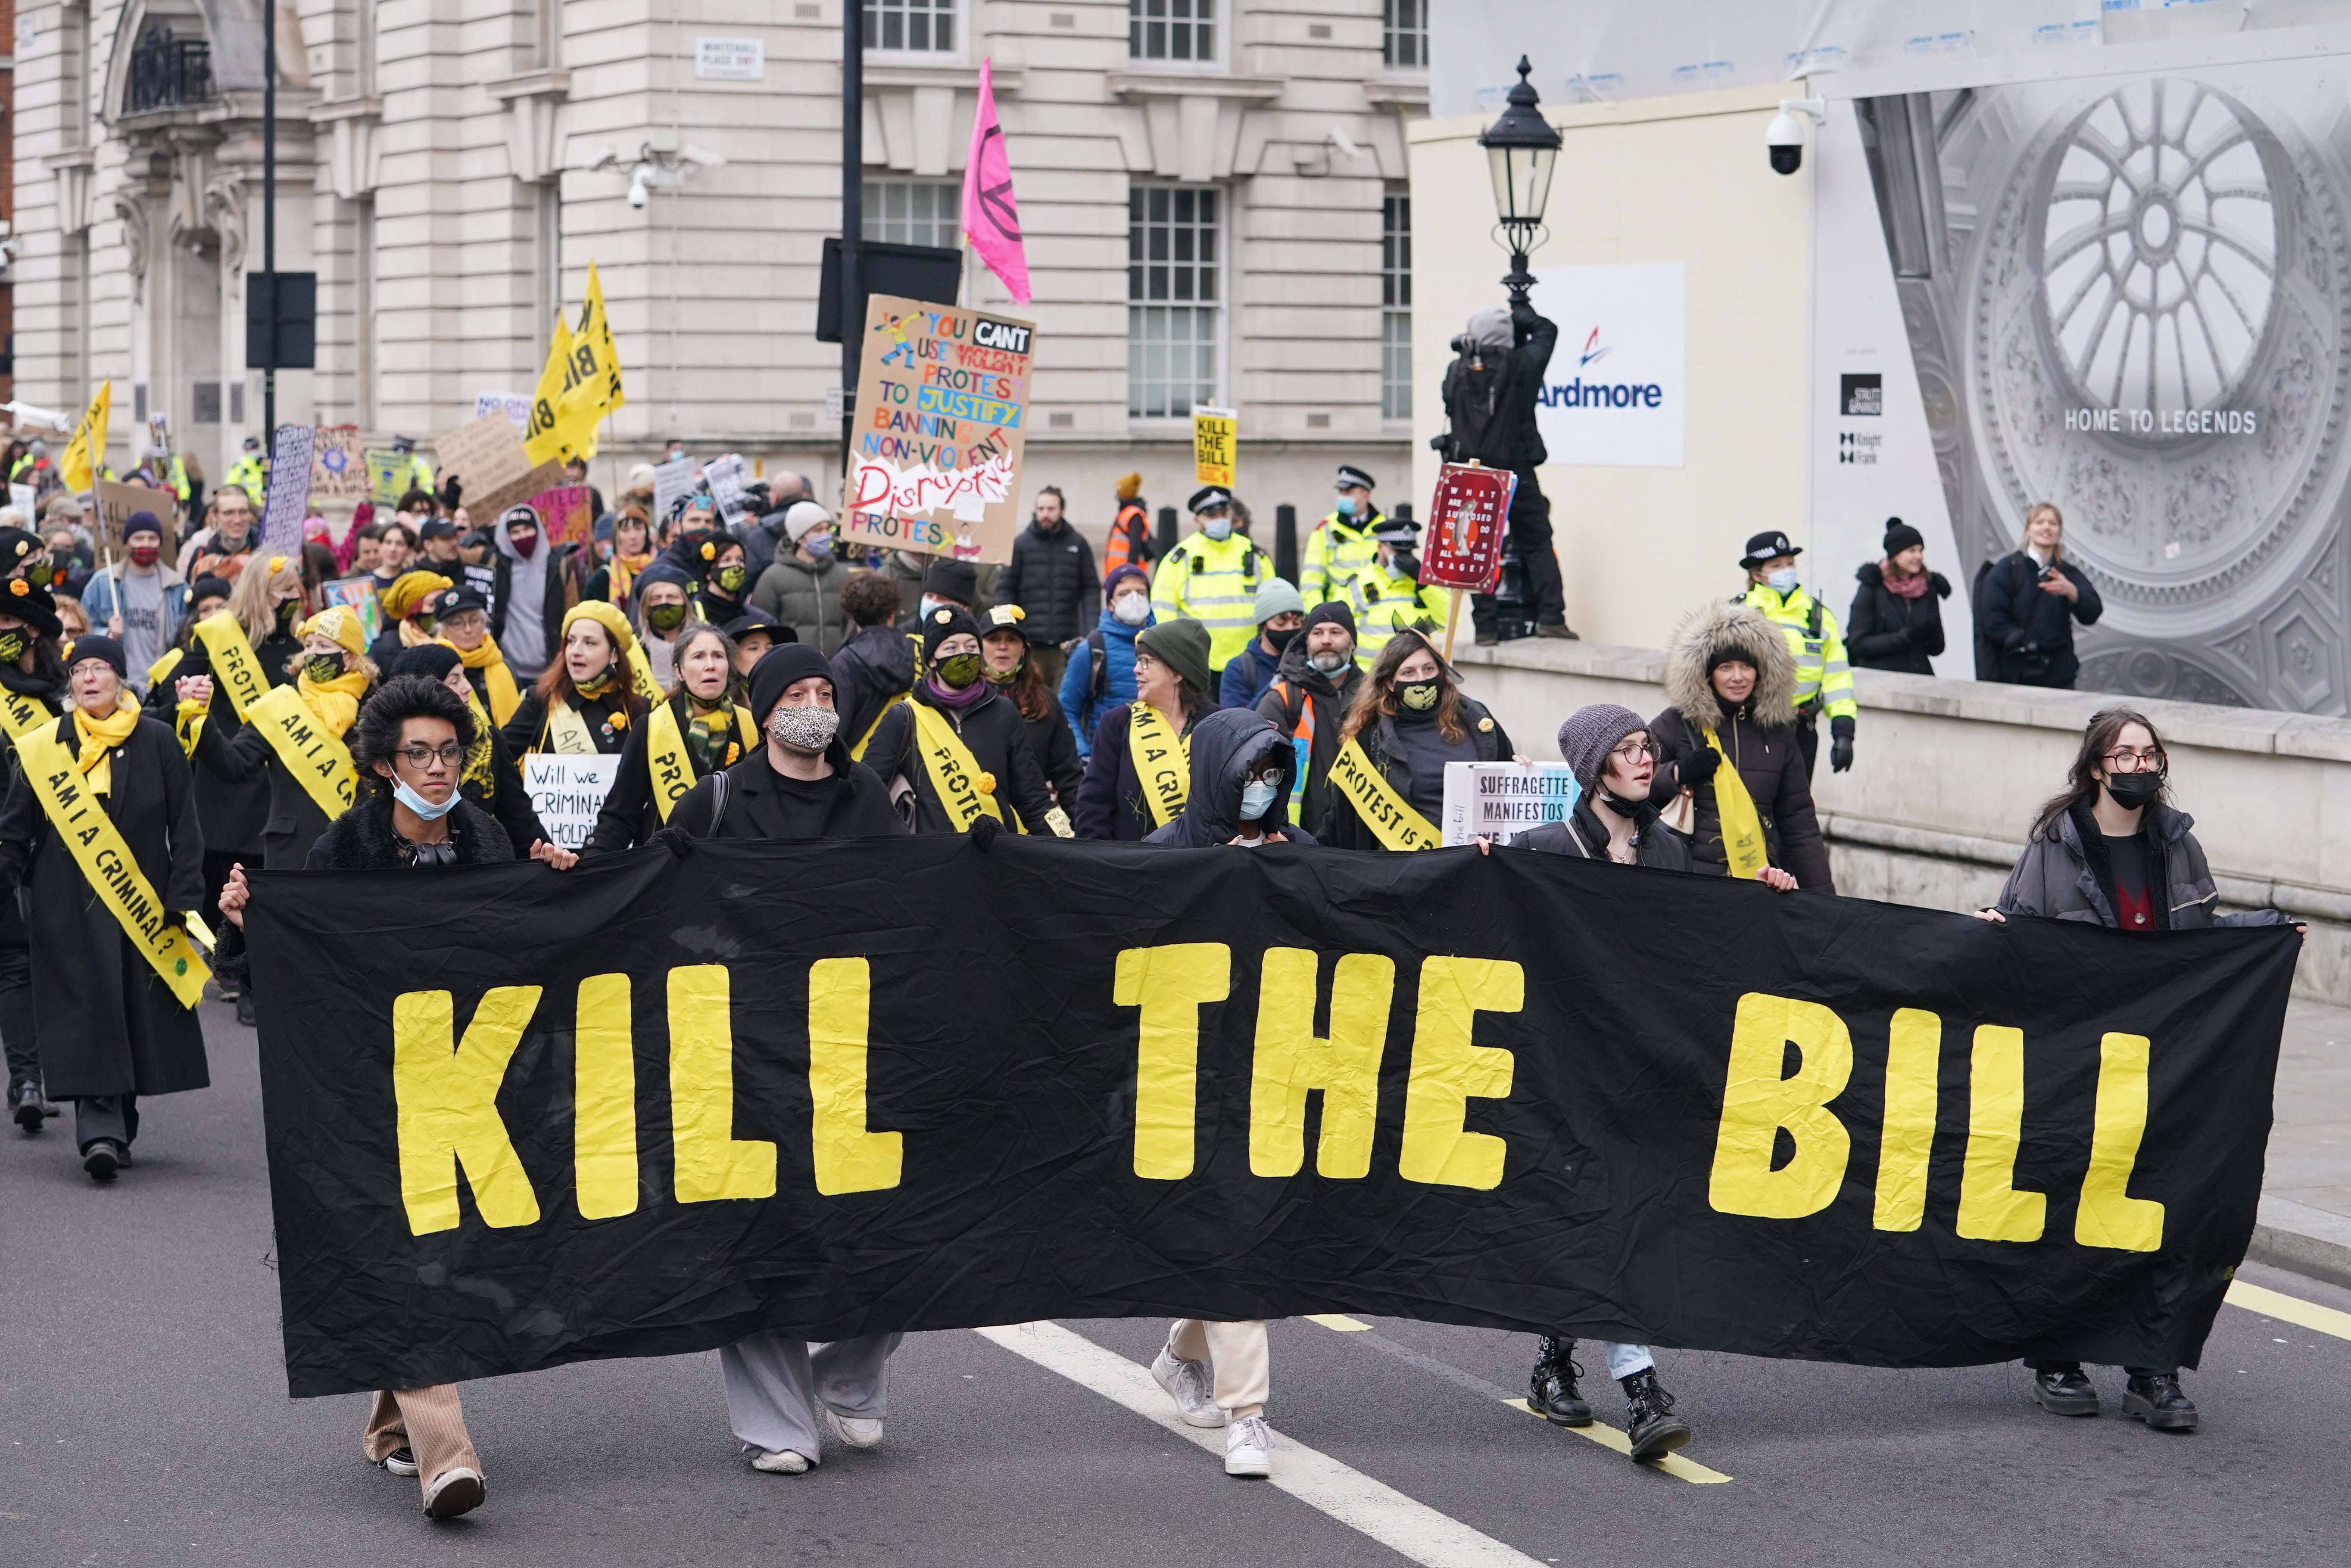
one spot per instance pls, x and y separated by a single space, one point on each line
991 218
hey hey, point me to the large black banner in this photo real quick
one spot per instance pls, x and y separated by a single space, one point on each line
519 1117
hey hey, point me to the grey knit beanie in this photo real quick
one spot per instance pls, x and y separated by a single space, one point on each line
1590 735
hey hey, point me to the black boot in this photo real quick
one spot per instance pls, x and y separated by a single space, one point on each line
1551 1392
1650 1418
2156 1400
25 1105
2064 1391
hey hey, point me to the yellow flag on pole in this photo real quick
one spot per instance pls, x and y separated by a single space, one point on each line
591 386
86 454
543 440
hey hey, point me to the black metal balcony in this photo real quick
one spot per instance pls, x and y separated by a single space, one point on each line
167 72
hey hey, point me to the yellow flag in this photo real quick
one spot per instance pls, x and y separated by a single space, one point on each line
544 440
87 453
592 383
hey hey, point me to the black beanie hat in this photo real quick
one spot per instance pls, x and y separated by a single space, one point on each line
209 588
951 579
1900 537
780 669
431 659
1331 613
16 548
94 646
943 623
32 605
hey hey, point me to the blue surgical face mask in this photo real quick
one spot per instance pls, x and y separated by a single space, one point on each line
927 606
1344 506
818 545
1217 528
1785 580
419 805
1256 798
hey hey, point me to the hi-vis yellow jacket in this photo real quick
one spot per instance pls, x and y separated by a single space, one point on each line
1215 585
1337 552
1824 677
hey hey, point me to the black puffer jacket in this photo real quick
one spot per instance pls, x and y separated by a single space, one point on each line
362 839
1053 577
2066 874
2028 632
1493 410
1886 631
1227 747
1658 848
872 667
997 738
1302 696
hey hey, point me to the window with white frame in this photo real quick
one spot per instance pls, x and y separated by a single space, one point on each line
914 26
913 212
1395 306
1405 36
1171 29
1173 310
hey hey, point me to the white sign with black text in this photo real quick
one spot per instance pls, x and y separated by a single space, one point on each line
1501 799
568 792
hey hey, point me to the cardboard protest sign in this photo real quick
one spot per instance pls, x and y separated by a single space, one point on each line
1216 437
116 503
482 453
388 474
1462 545
359 595
934 453
568 792
1501 799
483 506
673 482
290 453
563 515
725 477
338 469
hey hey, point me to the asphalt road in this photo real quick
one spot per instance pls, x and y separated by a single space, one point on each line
144 1420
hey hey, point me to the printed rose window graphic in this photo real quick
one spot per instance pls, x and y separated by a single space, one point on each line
2159 249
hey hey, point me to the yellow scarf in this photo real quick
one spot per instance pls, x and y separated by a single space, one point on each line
98 739
621 576
414 636
336 702
495 676
1744 850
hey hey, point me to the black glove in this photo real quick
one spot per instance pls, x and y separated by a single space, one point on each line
984 832
1698 767
1840 745
1915 632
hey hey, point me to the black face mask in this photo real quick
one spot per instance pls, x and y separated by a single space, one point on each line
1619 805
288 612
1283 638
2132 791
12 644
1407 565
321 668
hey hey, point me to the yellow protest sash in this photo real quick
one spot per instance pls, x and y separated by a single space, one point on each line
319 761
1390 816
99 848
568 733
857 751
963 787
236 669
20 715
1163 761
1743 849
668 760
641 673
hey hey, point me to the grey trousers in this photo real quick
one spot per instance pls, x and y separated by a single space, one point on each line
113 1116
773 1384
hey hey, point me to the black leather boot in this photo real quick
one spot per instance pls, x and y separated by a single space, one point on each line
2065 1391
2157 1401
1649 1419
1551 1392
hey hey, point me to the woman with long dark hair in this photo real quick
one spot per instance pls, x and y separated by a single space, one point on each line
585 701
1005 663
703 726
1409 719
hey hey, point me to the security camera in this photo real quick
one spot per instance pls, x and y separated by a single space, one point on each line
640 188
1785 137
1344 144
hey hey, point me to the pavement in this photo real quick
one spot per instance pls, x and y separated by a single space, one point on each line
2305 1221
143 1419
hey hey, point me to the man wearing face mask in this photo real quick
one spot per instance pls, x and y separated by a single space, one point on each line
1824 676
1279 612
1100 672
1386 594
957 744
1213 577
1341 546
141 601
1308 702
802 587
526 593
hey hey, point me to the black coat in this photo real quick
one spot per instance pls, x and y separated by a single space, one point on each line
1886 631
629 816
1656 847
1771 765
1287 701
1491 412
860 808
108 1025
1052 577
870 669
1110 798
562 592
50 695
232 814
528 729
1483 740
997 739
242 754
2027 633
1055 746
1227 745
504 798
362 839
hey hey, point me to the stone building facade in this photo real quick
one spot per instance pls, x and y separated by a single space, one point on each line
1212 190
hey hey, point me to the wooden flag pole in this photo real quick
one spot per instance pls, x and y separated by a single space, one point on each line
1452 619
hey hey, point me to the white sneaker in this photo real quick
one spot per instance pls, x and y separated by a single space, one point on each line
858 1432
1192 1384
453 1492
1248 1448
782 1462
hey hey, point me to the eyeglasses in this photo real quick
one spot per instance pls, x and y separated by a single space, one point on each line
2123 760
1634 751
421 757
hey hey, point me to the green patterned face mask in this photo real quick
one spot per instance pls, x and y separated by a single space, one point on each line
1420 696
959 671
730 578
665 618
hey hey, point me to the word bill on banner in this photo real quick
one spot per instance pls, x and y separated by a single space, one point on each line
568 792
936 443
661 1103
1215 441
1500 801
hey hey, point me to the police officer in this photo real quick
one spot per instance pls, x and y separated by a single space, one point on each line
1824 677
1386 595
245 472
1341 546
1212 578
418 474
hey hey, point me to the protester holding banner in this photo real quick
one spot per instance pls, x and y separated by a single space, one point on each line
702 725
1409 719
1308 702
1731 682
875 668
293 736
1279 612
1137 776
461 618
141 599
32 694
492 779
802 585
960 746
663 607
1099 675
1212 576
586 701
1009 662
100 827
230 815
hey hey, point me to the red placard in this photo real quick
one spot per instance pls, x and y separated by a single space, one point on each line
563 514
1462 545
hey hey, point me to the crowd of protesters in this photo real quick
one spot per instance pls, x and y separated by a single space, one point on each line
760 680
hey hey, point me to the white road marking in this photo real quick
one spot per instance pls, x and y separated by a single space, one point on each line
1356 1500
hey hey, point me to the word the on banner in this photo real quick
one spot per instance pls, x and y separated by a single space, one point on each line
1215 441
568 792
1462 547
654 1104
934 455
1501 799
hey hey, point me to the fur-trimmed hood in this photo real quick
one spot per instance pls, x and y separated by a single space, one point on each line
1715 626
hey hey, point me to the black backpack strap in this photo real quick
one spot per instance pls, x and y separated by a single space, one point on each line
1098 671
1293 704
719 789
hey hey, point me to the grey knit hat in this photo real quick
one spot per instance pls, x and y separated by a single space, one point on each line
1275 596
1590 735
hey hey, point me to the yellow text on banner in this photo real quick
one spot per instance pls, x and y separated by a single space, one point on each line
20 714
963 788
236 669
319 761
1215 440
1162 760
1743 849
99 848
1390 816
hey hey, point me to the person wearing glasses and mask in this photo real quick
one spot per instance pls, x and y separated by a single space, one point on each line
2110 848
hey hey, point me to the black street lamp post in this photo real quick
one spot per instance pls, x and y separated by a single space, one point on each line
1521 150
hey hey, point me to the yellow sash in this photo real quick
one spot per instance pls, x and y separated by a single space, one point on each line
98 847
669 761
857 751
1389 815
641 673
1743 849
963 787
566 732
20 714
236 669
1163 761
319 761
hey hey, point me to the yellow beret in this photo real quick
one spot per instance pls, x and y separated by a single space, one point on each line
615 623
409 591
341 623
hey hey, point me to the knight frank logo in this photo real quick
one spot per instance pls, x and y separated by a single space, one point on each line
1860 449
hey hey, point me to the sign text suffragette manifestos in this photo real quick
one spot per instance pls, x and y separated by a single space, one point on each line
654 1104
